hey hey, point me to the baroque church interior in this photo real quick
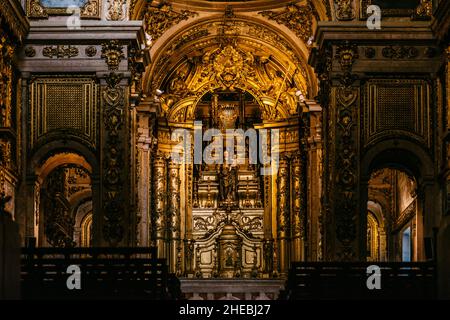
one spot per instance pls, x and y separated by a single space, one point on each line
94 92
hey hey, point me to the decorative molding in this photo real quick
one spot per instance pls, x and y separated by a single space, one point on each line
60 52
35 9
161 18
298 19
91 51
113 182
346 208
113 54
422 12
400 52
30 52
369 52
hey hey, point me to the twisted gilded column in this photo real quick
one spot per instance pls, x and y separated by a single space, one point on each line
314 180
143 182
298 208
174 219
159 204
283 215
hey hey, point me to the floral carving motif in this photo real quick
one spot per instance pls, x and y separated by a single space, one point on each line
400 52
344 10
296 18
30 52
228 65
60 52
91 51
161 18
116 10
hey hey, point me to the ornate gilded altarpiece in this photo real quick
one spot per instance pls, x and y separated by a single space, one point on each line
229 221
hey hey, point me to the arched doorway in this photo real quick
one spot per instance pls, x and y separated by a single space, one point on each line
64 184
392 218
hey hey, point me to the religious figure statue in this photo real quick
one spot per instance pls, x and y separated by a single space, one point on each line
228 184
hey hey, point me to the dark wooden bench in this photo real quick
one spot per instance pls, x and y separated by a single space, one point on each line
106 273
347 280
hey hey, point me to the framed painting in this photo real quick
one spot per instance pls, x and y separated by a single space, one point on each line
89 9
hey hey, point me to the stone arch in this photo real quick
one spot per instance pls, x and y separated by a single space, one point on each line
408 157
185 45
54 147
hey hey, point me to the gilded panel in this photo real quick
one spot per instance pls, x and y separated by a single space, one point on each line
397 108
64 104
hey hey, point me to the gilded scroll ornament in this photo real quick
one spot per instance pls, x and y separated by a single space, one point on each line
116 10
91 9
113 54
344 10
228 66
6 82
298 208
36 10
298 19
60 52
283 198
161 18
424 10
